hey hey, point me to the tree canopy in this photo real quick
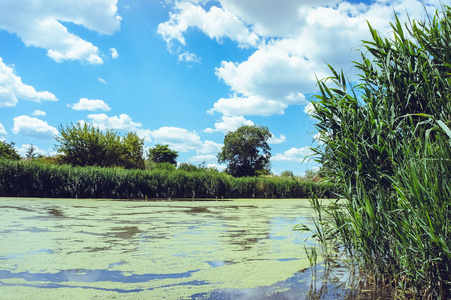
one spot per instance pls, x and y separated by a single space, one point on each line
162 154
86 145
7 151
246 151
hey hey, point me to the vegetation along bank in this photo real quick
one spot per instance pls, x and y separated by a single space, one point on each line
35 179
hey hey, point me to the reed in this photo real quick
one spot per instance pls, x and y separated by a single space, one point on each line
37 179
386 143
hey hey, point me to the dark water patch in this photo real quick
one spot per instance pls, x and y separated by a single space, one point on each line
56 212
83 275
199 210
121 291
127 232
17 207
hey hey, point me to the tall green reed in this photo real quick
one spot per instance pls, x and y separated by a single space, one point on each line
35 179
386 143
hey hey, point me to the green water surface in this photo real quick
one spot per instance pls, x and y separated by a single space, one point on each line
101 249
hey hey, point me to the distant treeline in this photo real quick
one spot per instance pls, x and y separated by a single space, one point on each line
35 179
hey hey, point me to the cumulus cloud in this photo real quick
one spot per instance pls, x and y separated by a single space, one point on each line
293 41
39 23
253 105
277 140
229 123
204 158
121 122
34 127
39 113
3 132
114 53
216 24
12 88
292 155
90 105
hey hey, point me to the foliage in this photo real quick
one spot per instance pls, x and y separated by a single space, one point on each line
160 166
162 154
188 167
387 143
36 179
8 151
86 145
31 153
246 151
287 173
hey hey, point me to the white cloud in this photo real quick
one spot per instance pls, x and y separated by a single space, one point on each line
277 140
229 123
204 158
188 57
209 147
114 53
90 105
285 67
216 24
123 122
102 80
12 89
39 113
34 127
292 155
3 132
178 139
252 105
39 23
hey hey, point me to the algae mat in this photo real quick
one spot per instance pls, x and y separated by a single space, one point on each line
101 249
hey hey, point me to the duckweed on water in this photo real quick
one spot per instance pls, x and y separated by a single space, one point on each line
105 249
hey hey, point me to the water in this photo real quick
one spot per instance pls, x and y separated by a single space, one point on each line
86 249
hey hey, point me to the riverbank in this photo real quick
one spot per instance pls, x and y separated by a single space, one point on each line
31 179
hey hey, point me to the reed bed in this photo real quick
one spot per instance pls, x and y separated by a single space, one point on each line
35 179
387 143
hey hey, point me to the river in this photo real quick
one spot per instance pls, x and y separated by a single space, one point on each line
103 249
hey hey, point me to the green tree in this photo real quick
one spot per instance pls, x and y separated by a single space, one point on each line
8 151
133 151
86 145
162 154
32 153
246 151
287 174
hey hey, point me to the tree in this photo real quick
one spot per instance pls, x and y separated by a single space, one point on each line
32 153
246 151
86 145
162 154
7 151
133 151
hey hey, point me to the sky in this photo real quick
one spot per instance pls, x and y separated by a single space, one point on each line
182 73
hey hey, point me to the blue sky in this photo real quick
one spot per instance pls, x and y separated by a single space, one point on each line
181 72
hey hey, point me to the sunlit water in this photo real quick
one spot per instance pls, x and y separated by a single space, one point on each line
86 249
